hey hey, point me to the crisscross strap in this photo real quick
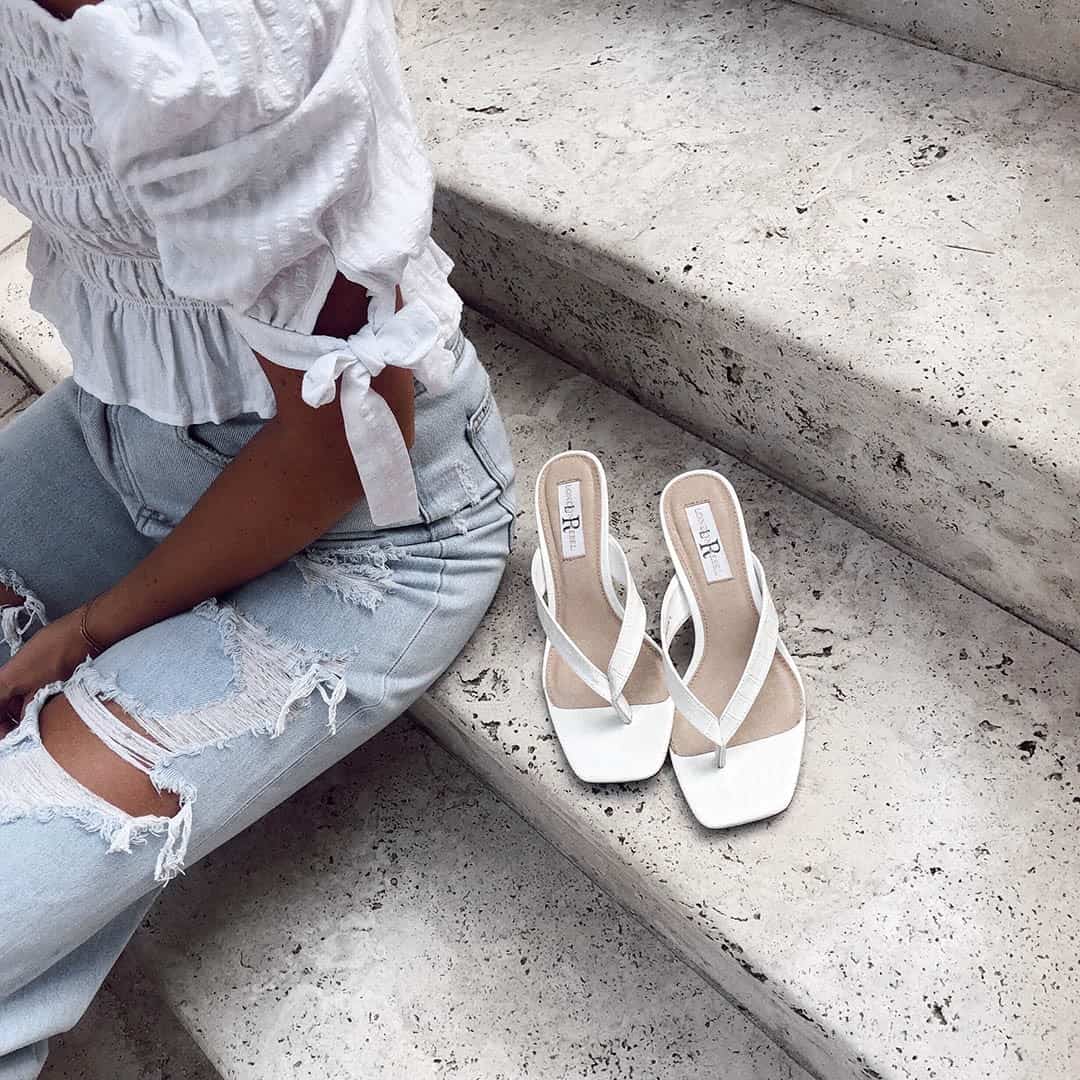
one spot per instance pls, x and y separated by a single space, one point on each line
609 685
674 613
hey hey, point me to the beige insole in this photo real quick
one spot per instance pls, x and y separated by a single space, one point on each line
730 622
576 592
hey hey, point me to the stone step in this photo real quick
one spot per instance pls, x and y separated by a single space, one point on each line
28 344
395 919
912 915
128 1033
14 393
908 917
844 258
1038 38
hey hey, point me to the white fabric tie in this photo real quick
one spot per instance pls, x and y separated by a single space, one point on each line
410 338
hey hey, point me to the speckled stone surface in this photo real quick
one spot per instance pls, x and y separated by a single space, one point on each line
1040 38
27 341
846 258
127 1034
396 920
913 914
909 916
14 393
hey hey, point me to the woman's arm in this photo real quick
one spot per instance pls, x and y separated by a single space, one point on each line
64 9
293 480
204 158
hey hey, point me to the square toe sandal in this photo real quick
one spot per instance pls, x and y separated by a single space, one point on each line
603 677
740 720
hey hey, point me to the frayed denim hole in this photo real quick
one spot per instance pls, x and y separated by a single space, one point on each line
149 670
273 677
17 620
269 679
360 575
34 787
341 585
273 682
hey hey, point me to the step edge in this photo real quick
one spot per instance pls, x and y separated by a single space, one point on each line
814 1051
508 224
932 46
1027 616
1012 459
140 954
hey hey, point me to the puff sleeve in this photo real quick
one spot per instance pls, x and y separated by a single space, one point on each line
268 147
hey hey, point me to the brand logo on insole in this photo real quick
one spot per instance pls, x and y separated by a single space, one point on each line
570 526
714 560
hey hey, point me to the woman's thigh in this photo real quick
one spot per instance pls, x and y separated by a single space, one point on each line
64 533
242 701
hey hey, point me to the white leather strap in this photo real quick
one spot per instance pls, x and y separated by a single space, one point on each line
632 631
674 614
609 685
677 609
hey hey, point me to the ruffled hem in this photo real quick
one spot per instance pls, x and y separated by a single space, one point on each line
178 366
178 361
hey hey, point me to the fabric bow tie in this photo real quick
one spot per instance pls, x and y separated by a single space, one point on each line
408 339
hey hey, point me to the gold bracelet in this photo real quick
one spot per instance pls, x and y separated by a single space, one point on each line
96 648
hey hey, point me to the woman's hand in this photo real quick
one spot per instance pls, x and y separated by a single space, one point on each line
290 483
51 655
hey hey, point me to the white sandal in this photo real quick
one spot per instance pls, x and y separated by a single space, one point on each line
603 677
741 707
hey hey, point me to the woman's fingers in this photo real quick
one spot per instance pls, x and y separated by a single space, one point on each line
11 706
50 656
13 695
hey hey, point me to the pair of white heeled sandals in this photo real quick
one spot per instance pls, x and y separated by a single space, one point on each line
734 721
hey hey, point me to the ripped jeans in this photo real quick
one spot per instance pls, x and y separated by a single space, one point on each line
245 698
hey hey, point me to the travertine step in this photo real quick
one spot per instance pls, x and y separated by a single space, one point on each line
28 344
127 1034
14 393
846 258
913 913
673 195
396 920
909 916
1040 38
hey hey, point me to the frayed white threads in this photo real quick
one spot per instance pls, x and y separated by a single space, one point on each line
16 620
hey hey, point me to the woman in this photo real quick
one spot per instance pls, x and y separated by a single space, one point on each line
274 501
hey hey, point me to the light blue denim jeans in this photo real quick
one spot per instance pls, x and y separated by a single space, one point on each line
247 697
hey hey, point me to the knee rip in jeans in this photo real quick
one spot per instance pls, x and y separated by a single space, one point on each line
272 679
359 576
17 619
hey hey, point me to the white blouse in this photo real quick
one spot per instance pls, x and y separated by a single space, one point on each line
198 171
